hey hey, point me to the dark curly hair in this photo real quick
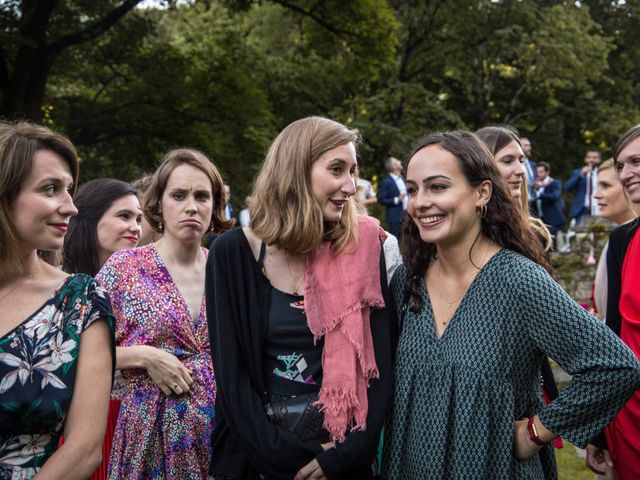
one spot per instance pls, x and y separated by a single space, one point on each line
502 224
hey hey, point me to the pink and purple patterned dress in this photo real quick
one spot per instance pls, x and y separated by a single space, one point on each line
159 437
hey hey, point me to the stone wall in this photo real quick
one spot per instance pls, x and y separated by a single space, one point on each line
575 271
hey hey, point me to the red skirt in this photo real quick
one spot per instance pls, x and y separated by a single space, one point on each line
102 473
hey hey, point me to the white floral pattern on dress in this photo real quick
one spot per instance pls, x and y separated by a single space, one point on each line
37 373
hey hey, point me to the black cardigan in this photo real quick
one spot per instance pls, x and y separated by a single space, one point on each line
245 443
618 245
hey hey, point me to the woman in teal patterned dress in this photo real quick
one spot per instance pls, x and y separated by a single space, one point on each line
478 314
56 341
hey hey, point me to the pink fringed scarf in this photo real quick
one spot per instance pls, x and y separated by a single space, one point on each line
340 291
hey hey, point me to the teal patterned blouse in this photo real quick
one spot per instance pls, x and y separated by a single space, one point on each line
38 361
455 398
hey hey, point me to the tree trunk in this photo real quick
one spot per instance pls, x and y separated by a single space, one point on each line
25 91
23 78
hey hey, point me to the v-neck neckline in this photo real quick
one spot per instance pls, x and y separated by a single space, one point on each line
40 308
461 304
183 301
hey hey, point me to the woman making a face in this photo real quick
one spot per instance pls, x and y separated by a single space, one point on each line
168 401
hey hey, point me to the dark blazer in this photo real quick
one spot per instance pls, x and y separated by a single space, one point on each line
577 184
551 205
387 193
245 443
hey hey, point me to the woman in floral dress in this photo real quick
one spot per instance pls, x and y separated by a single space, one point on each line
167 409
56 342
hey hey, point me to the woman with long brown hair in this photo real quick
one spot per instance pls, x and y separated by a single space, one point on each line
108 220
478 315
508 155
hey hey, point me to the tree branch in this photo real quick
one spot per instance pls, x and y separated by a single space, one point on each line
95 29
314 17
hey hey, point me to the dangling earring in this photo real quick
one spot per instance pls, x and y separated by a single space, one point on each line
160 226
481 210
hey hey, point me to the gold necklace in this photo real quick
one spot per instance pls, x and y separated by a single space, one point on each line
453 302
20 282
295 290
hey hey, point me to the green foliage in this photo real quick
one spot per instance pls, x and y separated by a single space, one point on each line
226 75
570 466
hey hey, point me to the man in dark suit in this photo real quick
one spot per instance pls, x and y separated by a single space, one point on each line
549 200
583 182
531 172
393 195
228 208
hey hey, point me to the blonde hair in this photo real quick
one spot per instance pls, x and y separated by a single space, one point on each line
606 165
285 212
609 164
19 142
158 184
539 228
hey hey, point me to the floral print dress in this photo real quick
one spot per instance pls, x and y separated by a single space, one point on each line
38 361
158 436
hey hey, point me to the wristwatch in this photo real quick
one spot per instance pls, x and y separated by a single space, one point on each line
533 433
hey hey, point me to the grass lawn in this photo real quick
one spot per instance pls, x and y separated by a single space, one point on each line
570 466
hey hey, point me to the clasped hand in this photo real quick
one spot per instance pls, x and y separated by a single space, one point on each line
169 373
599 461
523 446
312 470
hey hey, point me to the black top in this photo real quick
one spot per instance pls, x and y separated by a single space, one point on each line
618 244
245 443
292 363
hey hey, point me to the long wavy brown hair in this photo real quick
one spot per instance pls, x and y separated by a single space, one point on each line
496 138
502 224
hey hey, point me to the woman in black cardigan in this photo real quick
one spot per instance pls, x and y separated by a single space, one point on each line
300 335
